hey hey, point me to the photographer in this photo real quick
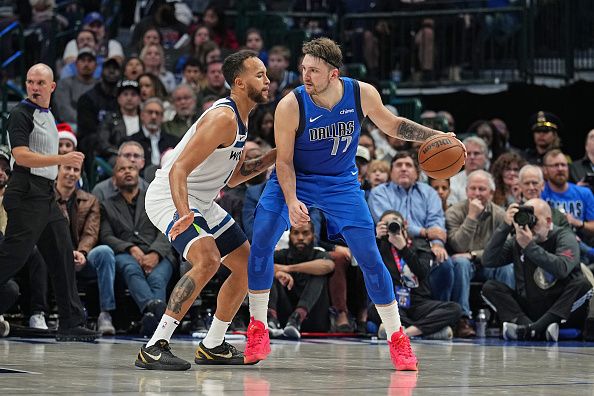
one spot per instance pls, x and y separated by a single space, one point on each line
550 287
409 262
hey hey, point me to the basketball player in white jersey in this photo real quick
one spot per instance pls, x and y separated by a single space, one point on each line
180 202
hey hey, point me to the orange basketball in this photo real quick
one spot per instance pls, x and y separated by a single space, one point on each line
441 156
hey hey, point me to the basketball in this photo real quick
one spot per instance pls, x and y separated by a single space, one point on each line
441 156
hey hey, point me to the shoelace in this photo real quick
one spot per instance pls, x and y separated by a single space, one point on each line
256 338
404 347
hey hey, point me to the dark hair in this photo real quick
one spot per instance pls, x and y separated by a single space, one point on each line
234 64
392 212
325 49
160 90
88 31
497 169
431 179
192 62
405 154
193 49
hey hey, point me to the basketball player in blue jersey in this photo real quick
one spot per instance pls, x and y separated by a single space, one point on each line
317 130
180 202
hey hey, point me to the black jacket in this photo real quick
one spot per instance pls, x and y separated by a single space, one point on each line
112 132
93 106
120 231
418 258
166 141
559 256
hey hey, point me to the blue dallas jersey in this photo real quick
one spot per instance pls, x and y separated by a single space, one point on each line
326 140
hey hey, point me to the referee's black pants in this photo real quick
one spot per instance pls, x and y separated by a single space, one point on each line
35 218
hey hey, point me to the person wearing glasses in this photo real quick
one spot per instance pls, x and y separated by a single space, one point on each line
575 201
132 151
151 136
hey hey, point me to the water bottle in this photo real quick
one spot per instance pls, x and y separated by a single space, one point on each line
481 323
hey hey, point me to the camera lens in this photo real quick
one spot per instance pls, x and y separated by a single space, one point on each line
394 228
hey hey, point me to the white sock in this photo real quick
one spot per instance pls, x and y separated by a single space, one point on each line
216 333
259 306
166 327
390 318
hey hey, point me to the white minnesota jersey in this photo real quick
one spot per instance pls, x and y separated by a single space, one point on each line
208 178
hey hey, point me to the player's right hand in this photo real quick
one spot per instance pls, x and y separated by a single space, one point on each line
298 213
74 158
181 225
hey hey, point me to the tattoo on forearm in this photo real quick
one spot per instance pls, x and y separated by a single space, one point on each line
182 291
412 131
251 166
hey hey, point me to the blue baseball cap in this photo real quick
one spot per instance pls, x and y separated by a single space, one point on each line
93 17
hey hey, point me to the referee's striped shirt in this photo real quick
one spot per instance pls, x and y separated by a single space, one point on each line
35 127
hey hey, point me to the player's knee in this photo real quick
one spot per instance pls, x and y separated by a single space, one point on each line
205 262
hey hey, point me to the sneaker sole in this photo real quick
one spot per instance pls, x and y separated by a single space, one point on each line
161 366
406 367
236 362
253 359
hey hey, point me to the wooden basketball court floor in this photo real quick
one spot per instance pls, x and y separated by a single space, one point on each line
310 367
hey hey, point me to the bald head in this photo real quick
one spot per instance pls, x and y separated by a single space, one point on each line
43 69
40 84
541 208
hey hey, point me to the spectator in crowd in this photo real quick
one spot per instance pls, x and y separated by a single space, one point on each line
279 57
200 35
362 158
409 263
471 223
503 130
550 287
300 280
209 52
214 19
119 125
193 76
442 186
545 129
366 141
151 36
505 172
184 101
105 47
262 125
476 151
72 88
421 206
575 201
132 151
215 82
580 169
255 42
153 57
378 172
487 131
143 253
151 137
162 17
133 68
94 105
67 140
150 87
81 209
532 184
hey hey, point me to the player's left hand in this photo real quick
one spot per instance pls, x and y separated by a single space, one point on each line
181 225
298 213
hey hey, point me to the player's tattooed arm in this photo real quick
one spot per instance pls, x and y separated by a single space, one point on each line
181 293
250 168
409 130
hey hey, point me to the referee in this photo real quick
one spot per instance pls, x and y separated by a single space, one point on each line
33 215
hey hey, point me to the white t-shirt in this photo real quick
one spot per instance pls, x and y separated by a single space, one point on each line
132 124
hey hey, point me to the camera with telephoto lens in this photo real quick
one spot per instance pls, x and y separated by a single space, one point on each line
525 216
394 227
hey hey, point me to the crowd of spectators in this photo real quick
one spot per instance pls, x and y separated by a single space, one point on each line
125 105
